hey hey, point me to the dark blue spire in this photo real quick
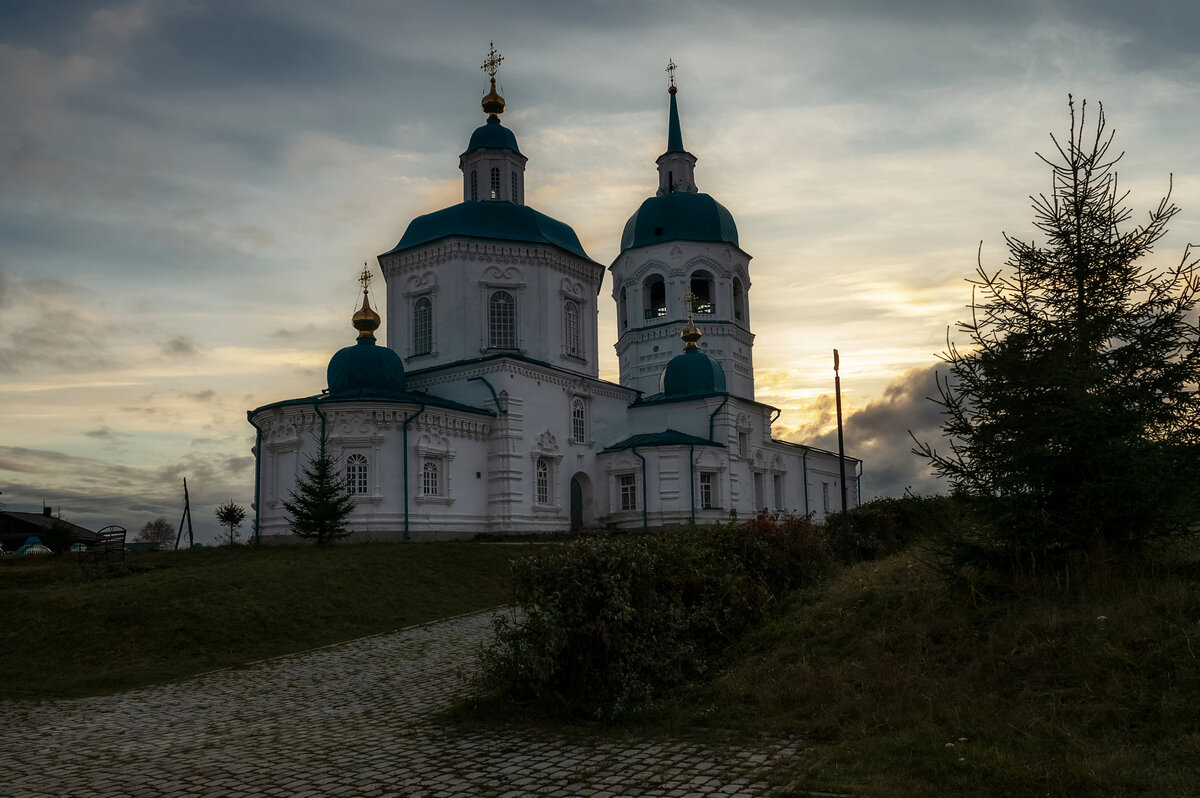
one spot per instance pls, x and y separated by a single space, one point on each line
674 134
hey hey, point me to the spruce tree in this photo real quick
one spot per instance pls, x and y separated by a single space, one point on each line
321 502
1072 413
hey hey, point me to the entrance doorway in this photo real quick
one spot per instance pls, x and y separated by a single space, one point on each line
583 514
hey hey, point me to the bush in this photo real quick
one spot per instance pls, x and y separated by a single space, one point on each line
602 626
881 527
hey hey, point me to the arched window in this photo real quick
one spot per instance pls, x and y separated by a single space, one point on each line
571 338
623 306
654 296
356 474
431 478
502 321
422 340
515 197
578 421
739 300
495 182
702 292
542 481
474 185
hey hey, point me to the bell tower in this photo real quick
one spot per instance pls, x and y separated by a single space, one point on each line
680 257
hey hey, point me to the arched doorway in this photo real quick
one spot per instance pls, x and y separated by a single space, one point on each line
583 513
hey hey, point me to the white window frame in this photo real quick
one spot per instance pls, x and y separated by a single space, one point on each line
572 320
620 480
417 348
495 335
579 420
358 474
431 478
707 493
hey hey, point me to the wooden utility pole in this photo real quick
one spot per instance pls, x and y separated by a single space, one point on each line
837 389
187 515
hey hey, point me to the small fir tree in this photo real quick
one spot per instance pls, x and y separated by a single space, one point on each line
231 515
321 502
1072 416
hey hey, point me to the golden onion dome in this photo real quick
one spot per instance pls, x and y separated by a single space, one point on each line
366 320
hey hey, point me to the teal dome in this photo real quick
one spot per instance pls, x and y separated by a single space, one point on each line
494 219
679 216
493 136
365 369
692 373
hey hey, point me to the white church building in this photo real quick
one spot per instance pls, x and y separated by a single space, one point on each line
485 412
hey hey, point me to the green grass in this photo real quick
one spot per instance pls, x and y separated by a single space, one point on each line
174 614
907 687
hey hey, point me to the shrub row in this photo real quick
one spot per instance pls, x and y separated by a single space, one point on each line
603 625
882 527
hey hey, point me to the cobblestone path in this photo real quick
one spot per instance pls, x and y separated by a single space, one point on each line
347 720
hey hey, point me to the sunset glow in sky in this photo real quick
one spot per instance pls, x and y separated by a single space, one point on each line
189 189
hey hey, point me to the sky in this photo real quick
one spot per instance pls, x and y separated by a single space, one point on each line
189 189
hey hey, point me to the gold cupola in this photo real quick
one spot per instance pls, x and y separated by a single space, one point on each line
366 320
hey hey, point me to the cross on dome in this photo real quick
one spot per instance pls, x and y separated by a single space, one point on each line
493 103
492 62
671 73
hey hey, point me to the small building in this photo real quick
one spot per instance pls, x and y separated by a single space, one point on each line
16 528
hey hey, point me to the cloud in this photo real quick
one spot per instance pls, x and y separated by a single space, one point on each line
203 396
878 434
179 346
104 434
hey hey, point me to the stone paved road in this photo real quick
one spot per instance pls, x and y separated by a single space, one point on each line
347 720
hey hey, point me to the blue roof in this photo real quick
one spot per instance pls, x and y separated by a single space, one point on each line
679 216
365 368
493 219
668 437
493 136
692 374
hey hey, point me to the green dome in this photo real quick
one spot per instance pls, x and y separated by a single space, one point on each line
494 219
365 369
679 216
493 136
692 373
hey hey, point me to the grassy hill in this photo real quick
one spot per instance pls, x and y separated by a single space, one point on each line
173 614
906 686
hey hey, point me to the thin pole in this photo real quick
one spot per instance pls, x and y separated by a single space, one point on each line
837 389
187 512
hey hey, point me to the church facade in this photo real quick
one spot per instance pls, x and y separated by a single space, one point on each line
485 412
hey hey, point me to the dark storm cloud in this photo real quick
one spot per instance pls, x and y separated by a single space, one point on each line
878 434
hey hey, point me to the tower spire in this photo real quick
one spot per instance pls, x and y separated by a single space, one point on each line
674 133
676 166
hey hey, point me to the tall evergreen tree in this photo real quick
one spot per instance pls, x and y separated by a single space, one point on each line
1072 415
321 502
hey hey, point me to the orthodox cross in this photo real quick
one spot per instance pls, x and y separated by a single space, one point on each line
690 302
671 71
493 61
365 278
